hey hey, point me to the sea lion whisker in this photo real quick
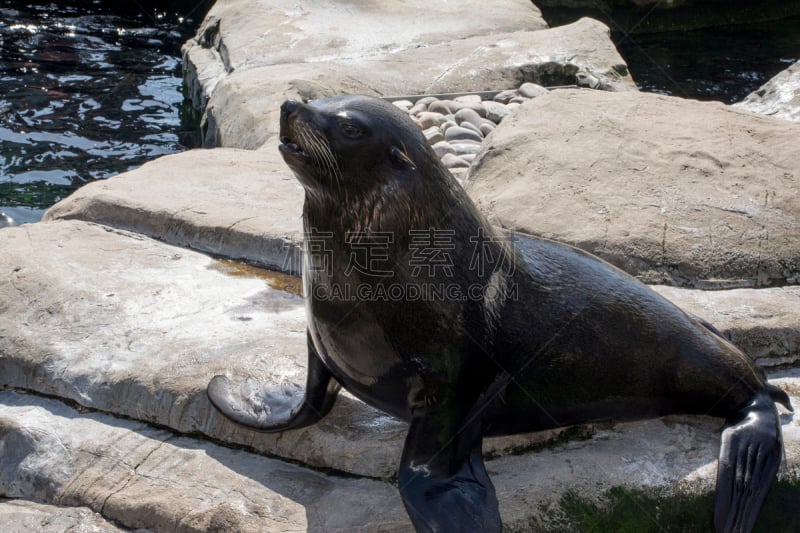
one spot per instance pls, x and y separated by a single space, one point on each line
322 152
312 145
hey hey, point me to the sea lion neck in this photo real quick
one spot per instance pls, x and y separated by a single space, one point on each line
397 204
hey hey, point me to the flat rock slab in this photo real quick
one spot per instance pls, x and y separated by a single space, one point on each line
674 191
250 33
20 516
240 204
764 323
779 97
130 326
242 109
142 477
238 35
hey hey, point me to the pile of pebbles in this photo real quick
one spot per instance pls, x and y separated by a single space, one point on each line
456 127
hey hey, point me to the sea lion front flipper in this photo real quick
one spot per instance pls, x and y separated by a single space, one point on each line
273 406
748 461
443 481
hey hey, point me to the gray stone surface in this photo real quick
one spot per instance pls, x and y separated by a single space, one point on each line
674 191
133 327
20 516
242 112
248 33
142 477
239 204
779 97
764 323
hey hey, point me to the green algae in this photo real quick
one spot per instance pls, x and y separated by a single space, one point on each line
642 511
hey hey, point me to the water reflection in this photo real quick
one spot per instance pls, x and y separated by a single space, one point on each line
87 90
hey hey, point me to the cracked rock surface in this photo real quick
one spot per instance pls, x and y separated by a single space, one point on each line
674 191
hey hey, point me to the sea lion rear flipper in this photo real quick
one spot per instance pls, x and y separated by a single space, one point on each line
273 406
748 461
443 481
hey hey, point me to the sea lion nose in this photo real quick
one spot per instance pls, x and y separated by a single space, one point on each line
289 107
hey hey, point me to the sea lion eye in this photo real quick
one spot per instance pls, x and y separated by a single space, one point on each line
351 130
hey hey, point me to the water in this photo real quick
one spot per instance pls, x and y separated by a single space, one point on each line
88 89
724 64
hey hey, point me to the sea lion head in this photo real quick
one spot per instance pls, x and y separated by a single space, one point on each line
346 146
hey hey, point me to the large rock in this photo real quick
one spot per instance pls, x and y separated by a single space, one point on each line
671 190
21 516
242 110
143 477
130 326
779 97
238 35
239 204
764 323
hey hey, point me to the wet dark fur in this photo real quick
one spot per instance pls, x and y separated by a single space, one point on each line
575 341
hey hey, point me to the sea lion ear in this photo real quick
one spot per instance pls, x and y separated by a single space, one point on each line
400 156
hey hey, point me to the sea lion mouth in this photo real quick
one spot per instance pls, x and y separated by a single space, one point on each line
292 147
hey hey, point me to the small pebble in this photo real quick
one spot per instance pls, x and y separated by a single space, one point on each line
472 127
505 96
443 147
426 100
463 147
457 132
495 111
433 135
478 108
468 99
417 109
444 106
455 128
466 114
405 105
454 161
429 119
487 128
447 125
531 90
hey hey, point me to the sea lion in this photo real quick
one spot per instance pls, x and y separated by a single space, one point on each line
417 306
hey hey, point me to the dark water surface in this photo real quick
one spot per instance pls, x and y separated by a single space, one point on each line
724 64
88 89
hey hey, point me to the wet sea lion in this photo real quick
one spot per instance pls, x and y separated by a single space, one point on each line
418 307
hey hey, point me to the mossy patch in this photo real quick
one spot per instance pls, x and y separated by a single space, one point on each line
642 511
